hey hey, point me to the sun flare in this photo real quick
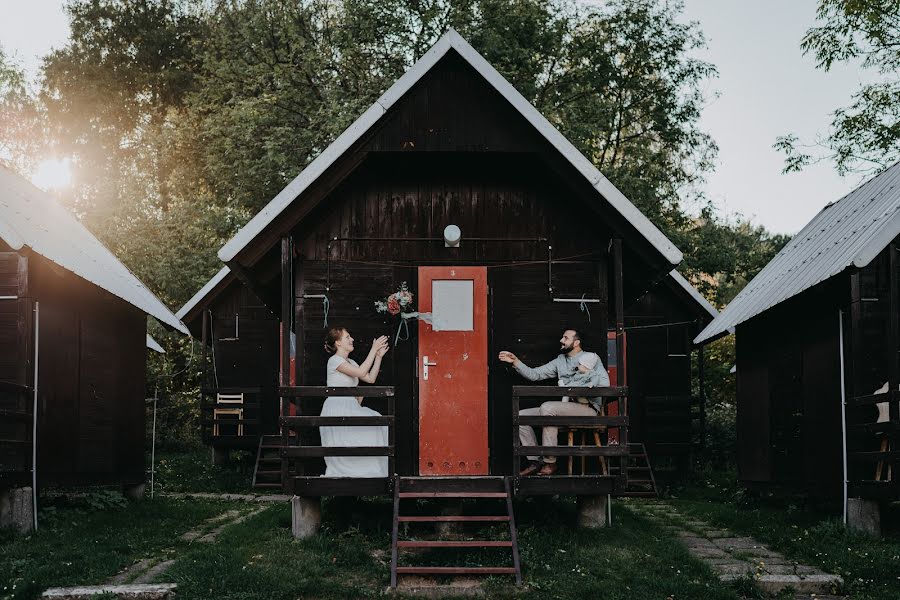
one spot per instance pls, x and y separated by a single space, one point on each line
52 174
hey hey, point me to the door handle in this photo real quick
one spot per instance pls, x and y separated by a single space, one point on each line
425 365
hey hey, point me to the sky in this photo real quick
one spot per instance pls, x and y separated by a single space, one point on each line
765 88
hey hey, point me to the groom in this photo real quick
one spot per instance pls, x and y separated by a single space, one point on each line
562 367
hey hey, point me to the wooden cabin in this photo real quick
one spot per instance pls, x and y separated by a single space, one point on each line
73 328
665 384
545 238
817 328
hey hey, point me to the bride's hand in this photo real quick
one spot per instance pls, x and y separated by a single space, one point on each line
377 343
383 350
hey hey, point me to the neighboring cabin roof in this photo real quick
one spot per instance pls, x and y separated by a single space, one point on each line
849 232
31 217
450 40
692 291
154 345
202 293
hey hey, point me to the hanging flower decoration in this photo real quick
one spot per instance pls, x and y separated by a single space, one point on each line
397 303
400 303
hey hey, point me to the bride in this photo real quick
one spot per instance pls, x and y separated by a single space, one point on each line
343 371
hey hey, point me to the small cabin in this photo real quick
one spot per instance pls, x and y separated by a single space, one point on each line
73 328
453 185
817 353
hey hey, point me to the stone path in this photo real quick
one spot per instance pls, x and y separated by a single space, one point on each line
734 557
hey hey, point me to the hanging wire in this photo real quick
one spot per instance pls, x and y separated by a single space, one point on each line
584 307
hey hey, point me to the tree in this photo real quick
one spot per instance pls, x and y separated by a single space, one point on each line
865 135
21 120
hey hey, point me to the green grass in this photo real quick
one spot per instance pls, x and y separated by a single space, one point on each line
89 539
192 471
350 557
801 530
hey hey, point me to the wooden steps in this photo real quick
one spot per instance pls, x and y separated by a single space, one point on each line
480 489
267 471
640 481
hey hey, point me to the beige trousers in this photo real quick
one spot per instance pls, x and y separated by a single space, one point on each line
551 409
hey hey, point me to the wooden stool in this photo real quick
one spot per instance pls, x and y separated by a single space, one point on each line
596 430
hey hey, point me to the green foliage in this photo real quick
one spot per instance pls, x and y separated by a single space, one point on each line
864 136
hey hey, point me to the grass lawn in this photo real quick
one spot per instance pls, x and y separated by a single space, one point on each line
801 531
351 558
191 470
90 539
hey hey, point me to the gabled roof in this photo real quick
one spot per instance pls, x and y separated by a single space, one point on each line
701 301
31 217
847 233
451 41
154 345
201 294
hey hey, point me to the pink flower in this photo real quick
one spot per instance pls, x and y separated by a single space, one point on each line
393 306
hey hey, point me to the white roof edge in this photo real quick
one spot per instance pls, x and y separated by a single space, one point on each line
879 241
154 345
453 40
690 289
9 235
202 292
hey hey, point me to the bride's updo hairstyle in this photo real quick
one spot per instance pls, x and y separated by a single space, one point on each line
331 338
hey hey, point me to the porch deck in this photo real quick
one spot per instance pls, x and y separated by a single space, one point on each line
293 453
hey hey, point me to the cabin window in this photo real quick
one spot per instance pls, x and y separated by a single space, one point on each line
677 341
452 304
611 353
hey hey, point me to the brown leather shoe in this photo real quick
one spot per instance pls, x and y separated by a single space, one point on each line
531 469
548 469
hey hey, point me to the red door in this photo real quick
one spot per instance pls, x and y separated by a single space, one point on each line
453 371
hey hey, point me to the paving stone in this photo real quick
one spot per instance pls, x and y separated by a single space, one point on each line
158 591
131 571
717 533
760 552
812 584
736 543
154 571
712 552
734 568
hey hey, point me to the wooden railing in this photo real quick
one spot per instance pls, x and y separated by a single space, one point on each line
251 405
16 403
607 395
291 426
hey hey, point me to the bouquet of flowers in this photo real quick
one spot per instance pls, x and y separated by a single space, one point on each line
397 303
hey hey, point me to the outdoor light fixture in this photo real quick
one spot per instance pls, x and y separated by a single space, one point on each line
452 235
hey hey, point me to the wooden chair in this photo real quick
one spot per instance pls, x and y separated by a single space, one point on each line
229 405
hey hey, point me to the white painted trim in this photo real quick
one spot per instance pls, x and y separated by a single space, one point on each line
451 40
202 292
154 345
697 296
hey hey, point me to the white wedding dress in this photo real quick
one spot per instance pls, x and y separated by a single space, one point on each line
347 406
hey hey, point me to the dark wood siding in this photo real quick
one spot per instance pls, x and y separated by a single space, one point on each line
789 395
91 388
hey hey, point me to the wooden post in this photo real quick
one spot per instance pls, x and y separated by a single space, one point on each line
287 287
893 348
603 326
204 339
852 356
701 376
618 284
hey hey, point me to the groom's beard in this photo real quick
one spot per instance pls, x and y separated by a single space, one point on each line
566 349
